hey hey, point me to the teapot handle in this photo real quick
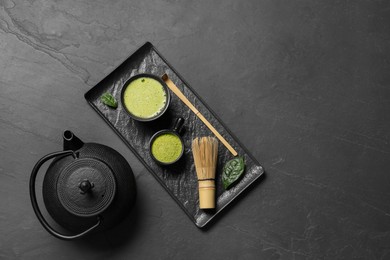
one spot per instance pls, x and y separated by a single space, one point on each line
35 203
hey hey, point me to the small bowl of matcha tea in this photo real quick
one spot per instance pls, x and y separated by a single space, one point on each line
145 97
166 146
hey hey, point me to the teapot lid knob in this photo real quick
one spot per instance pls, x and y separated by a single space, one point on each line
85 186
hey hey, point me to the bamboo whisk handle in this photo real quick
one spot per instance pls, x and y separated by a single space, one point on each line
206 194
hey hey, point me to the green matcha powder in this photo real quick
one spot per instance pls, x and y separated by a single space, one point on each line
167 148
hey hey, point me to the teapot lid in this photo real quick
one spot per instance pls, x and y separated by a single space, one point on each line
86 187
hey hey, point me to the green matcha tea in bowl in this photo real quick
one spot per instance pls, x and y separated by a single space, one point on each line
145 97
166 146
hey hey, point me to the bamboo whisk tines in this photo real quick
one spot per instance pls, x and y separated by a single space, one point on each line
205 152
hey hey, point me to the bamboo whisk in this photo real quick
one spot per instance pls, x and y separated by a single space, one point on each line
205 152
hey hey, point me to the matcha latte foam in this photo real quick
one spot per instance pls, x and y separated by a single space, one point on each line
145 97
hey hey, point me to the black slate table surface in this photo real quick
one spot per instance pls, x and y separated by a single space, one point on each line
304 85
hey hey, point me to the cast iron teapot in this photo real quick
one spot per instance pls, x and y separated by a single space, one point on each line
88 187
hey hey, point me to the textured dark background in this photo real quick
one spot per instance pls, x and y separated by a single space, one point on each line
305 85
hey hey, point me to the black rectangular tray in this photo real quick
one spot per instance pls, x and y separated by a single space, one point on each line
179 179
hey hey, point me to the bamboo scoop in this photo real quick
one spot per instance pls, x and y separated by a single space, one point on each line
180 95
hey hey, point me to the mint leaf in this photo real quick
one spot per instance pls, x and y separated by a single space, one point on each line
109 100
232 171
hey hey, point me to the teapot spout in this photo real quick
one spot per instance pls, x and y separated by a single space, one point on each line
71 142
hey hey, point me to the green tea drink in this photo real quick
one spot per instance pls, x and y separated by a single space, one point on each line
167 148
145 97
